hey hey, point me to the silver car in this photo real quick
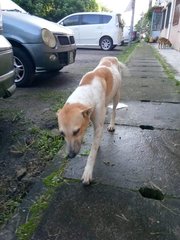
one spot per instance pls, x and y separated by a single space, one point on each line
7 86
38 45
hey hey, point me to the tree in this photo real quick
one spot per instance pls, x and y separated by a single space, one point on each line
54 10
144 24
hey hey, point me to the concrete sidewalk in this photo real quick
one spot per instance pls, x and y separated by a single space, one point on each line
172 57
136 193
140 158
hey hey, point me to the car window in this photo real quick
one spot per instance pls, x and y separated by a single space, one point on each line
0 19
71 21
90 19
106 18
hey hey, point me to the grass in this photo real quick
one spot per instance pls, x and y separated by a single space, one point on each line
25 231
51 182
167 68
48 144
28 141
57 97
44 146
126 54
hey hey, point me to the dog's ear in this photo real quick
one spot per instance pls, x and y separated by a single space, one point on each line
87 112
57 113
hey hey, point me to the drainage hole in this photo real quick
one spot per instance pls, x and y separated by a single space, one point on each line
152 193
147 127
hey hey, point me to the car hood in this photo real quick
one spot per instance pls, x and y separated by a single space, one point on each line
23 24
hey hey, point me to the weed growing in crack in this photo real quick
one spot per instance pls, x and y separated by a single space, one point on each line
54 180
17 116
48 145
25 231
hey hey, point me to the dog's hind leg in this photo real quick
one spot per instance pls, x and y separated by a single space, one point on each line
111 127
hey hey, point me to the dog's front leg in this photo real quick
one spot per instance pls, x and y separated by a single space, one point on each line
111 126
88 171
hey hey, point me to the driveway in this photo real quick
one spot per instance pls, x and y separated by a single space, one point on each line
86 60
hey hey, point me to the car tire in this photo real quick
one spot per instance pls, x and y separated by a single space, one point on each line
114 46
106 43
24 69
122 43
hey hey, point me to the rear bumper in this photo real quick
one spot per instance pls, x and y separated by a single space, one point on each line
7 85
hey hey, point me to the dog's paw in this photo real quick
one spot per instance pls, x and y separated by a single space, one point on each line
87 177
111 128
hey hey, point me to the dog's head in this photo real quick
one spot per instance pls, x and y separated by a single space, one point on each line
73 120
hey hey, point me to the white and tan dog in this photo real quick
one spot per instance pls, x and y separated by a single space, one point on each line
88 103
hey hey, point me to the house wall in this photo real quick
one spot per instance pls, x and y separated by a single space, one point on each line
174 36
172 32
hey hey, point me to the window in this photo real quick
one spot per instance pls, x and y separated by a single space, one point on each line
90 19
168 15
156 25
106 18
176 13
163 19
71 21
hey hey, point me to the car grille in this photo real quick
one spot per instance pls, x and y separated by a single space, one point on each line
66 40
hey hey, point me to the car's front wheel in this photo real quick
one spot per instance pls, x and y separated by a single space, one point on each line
24 69
106 43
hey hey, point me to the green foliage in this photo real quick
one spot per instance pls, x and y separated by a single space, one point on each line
54 10
144 24
48 145
126 54
25 231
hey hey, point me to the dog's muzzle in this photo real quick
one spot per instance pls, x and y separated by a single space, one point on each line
71 155
73 149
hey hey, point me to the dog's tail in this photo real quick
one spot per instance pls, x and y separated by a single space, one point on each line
123 69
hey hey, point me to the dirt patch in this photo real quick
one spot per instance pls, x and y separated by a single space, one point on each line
28 142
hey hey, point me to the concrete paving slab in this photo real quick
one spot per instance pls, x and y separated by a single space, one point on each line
145 68
104 212
149 88
172 56
127 160
132 157
148 73
144 62
156 114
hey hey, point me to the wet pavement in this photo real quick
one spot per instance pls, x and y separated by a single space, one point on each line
108 213
143 153
136 193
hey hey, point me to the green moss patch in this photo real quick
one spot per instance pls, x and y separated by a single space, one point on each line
127 52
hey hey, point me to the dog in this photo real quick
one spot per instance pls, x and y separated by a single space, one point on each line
163 42
88 103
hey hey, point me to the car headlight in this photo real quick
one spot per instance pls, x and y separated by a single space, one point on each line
48 38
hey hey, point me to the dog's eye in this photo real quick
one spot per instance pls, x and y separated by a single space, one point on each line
76 132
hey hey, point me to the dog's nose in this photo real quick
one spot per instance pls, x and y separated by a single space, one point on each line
71 154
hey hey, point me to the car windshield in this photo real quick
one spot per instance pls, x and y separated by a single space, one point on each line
8 5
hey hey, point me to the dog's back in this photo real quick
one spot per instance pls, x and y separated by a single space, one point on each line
105 78
164 42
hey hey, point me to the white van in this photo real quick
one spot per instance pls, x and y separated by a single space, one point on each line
92 29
